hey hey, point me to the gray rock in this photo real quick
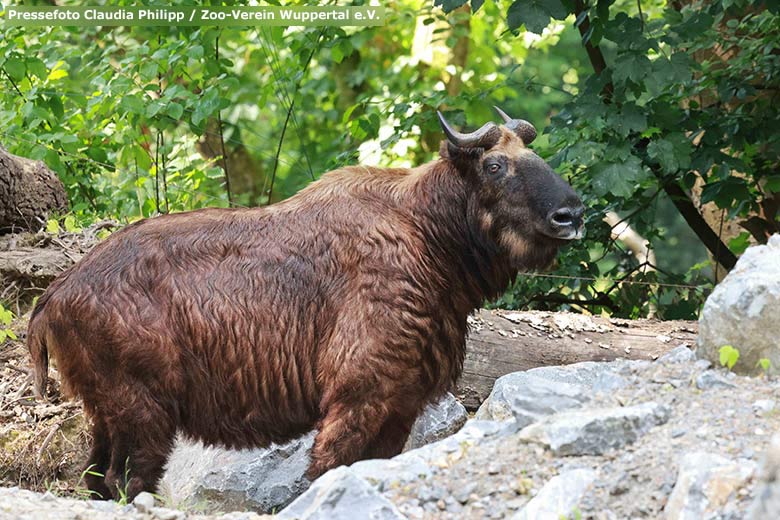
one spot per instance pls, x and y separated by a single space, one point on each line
262 480
341 495
420 463
21 504
586 378
542 397
705 481
144 502
559 497
438 420
595 431
679 354
767 501
742 311
712 379
763 406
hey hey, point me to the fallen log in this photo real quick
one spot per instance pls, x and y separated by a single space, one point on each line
29 262
502 342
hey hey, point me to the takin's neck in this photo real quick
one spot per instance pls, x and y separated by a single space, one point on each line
473 267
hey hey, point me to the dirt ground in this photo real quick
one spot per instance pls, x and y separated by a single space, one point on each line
42 444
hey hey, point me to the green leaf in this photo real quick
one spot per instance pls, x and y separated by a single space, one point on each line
341 50
630 66
763 363
11 335
2 335
160 55
15 68
5 316
728 356
55 104
725 192
673 152
132 103
631 119
71 226
154 107
449 5
37 67
174 110
476 4
148 71
534 14
739 243
195 52
52 226
57 72
617 178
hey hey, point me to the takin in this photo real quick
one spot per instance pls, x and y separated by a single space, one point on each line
343 308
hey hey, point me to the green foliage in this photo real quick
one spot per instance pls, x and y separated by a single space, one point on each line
764 364
535 15
728 356
668 108
82 491
6 317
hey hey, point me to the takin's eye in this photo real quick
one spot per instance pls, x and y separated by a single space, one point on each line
494 168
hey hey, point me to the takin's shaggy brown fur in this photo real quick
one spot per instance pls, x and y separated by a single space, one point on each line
343 308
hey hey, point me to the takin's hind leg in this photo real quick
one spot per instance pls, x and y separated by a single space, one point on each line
98 462
139 451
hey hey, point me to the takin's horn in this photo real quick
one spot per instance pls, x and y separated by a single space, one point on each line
521 127
486 137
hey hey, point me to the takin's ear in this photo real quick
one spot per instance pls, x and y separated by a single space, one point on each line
464 159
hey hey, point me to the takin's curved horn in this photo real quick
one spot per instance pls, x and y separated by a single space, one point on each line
486 137
521 127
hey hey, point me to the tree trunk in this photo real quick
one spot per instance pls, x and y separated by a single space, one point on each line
502 342
244 173
29 193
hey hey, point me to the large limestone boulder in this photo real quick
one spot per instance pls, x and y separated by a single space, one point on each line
439 420
341 495
530 395
268 479
595 431
743 311
217 479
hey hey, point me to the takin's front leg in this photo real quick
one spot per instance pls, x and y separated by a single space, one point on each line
365 421
391 438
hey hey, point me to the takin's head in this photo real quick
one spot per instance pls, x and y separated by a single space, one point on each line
521 202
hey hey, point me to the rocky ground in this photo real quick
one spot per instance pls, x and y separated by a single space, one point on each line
693 453
676 438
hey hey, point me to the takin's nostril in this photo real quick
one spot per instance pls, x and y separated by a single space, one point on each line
564 217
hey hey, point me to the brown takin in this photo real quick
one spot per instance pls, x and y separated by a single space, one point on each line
342 308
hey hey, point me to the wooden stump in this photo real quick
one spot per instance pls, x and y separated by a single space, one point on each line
29 193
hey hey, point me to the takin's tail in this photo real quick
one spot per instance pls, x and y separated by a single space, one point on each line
39 352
